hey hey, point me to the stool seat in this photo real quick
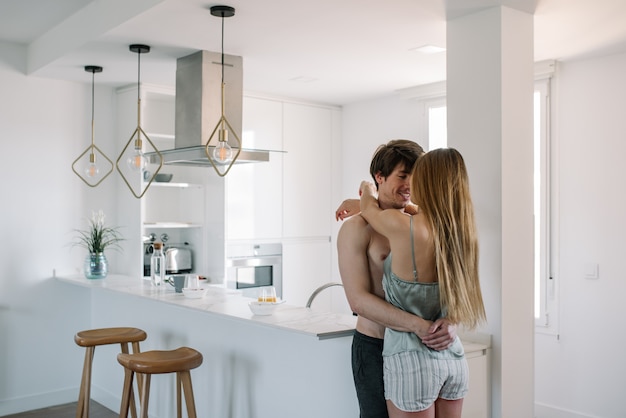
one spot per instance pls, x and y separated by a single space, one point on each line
179 361
157 362
105 336
92 338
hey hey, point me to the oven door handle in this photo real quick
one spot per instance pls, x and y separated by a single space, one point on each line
252 261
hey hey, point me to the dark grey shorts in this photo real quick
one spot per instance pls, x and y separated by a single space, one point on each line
367 370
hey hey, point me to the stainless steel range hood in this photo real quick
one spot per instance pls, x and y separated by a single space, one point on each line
196 156
198 108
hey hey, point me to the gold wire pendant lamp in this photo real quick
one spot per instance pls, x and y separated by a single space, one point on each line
92 174
136 161
221 155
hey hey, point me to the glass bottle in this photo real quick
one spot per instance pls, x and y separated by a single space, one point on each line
157 265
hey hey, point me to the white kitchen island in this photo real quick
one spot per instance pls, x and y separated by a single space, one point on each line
294 363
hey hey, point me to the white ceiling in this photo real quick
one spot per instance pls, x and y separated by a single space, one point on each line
328 51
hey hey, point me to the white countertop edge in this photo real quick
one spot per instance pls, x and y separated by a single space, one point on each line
227 303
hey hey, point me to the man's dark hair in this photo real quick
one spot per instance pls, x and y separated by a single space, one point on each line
389 155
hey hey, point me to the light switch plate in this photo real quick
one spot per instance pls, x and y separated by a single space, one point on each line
591 271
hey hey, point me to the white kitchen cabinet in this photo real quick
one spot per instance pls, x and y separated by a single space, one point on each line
477 403
308 139
254 192
290 198
306 266
262 123
311 138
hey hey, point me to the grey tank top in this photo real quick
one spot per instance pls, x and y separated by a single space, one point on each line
421 299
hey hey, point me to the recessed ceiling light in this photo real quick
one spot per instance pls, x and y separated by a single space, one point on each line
428 49
303 79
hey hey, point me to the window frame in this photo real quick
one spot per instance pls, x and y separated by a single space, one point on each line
546 300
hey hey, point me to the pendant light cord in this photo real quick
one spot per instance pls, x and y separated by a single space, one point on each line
138 73
138 95
222 85
222 48
93 78
93 75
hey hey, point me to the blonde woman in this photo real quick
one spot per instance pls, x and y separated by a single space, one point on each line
432 272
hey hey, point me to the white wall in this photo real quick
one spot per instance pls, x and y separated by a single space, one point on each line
365 126
580 373
369 124
44 126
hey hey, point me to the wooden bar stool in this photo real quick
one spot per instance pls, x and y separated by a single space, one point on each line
179 361
92 338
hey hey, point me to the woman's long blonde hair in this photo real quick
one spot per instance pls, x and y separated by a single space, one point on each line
440 187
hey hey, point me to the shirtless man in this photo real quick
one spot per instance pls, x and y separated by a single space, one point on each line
361 254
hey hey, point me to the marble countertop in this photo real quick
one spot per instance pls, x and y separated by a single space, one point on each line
228 303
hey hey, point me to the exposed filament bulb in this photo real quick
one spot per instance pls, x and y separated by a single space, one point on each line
137 161
92 169
223 153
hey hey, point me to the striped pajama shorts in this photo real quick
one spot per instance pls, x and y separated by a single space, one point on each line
414 379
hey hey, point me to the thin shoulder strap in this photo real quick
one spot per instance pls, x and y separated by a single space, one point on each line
413 251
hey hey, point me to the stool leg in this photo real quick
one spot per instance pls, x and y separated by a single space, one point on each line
133 408
82 409
179 408
144 395
126 393
185 378
138 375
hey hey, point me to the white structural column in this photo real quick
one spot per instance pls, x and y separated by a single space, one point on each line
490 121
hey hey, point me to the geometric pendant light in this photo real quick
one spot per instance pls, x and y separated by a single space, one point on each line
93 171
221 155
134 160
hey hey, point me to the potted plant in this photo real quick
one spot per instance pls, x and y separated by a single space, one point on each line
96 239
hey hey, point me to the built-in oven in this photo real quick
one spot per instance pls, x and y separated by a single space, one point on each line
250 266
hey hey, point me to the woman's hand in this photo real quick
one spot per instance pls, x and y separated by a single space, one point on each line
368 188
440 335
351 207
348 208
411 209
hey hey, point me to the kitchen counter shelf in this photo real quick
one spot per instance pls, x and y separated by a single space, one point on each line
171 225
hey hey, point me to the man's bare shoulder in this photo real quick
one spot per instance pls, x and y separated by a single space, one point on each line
356 221
354 236
355 226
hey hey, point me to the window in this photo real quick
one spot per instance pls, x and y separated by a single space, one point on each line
545 287
437 126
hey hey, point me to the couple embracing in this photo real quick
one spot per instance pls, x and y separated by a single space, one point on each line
408 259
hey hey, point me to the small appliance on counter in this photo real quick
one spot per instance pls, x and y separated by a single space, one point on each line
178 257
